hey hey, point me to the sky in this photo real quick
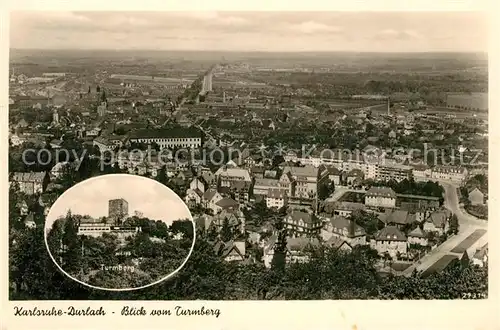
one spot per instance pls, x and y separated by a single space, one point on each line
251 31
91 197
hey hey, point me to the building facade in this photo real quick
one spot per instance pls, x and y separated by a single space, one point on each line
169 138
31 182
380 197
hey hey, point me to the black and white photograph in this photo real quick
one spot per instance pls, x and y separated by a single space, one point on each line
107 242
248 155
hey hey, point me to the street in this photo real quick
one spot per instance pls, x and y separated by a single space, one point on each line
468 225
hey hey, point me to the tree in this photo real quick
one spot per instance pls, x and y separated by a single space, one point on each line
369 221
226 232
15 196
183 226
280 247
162 175
454 225
326 189
71 244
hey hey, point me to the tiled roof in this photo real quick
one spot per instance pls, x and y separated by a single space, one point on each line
420 167
482 252
356 173
399 217
332 170
335 242
448 169
209 194
296 216
276 193
238 247
381 191
353 229
308 171
198 192
300 243
103 141
208 177
260 182
471 189
165 133
390 233
227 203
438 218
239 173
270 174
417 232
28 176
349 206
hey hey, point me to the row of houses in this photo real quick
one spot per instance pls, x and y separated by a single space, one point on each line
306 230
296 186
379 168
188 138
342 232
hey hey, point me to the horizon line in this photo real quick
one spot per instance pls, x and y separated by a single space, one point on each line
258 51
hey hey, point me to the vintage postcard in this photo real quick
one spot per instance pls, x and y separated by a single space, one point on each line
238 168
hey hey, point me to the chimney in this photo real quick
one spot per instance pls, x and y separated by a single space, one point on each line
388 106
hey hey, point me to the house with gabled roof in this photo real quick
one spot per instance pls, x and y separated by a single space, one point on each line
30 182
302 224
225 204
399 218
354 177
338 244
451 173
203 222
234 251
29 221
480 257
23 207
197 183
276 198
234 220
193 197
306 180
334 175
437 222
103 144
345 209
345 229
210 198
297 249
418 236
209 178
239 190
390 240
476 196
380 197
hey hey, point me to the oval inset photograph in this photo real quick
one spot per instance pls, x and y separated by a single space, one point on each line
119 232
